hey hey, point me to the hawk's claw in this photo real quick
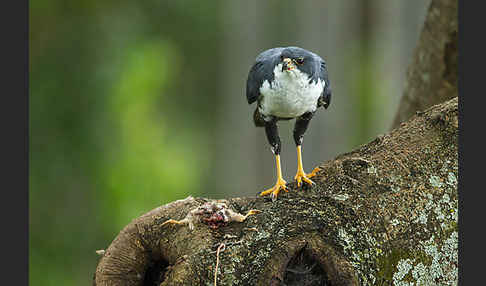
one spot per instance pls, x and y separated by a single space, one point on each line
301 176
314 172
275 190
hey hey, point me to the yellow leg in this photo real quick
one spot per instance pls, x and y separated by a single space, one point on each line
301 175
281 183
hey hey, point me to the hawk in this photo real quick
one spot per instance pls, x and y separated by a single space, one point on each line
287 83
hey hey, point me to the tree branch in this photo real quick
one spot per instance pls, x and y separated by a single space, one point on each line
383 213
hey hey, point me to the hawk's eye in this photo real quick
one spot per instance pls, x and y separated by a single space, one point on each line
299 61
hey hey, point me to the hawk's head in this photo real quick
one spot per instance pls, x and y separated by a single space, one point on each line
293 58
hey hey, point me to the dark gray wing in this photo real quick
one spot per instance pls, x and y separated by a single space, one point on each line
262 70
325 98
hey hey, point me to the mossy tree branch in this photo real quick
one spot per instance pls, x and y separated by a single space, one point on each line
384 212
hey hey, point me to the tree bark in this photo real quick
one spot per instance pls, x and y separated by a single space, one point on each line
432 74
385 213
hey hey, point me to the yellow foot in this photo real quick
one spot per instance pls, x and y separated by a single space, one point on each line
280 185
301 176
314 172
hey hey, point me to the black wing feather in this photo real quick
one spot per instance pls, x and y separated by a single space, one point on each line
254 82
262 70
325 98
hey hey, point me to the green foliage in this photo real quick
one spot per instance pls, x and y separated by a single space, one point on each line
111 136
149 163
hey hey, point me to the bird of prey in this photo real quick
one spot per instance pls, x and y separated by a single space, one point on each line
287 83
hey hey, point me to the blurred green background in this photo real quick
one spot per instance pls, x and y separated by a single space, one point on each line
134 104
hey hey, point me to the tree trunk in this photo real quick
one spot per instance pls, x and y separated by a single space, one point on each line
432 75
383 213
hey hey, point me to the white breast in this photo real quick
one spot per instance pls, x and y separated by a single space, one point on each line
290 94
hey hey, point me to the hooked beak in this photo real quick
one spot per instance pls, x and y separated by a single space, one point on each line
287 64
